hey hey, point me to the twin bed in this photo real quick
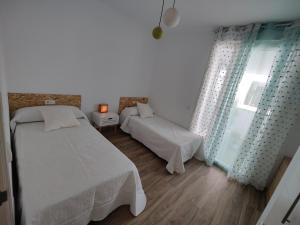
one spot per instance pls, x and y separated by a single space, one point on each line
169 141
73 175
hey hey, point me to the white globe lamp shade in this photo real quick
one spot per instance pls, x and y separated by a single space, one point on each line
171 17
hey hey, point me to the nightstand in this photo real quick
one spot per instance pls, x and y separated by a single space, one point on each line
101 120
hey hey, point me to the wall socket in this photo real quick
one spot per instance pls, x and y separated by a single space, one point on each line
50 102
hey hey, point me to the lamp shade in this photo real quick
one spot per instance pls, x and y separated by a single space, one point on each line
103 108
157 33
171 17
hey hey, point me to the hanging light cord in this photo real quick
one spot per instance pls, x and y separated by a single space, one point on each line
174 3
161 12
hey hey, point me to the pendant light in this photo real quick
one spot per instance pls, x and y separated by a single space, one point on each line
171 17
157 32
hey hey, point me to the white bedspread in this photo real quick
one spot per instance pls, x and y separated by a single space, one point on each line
73 175
169 141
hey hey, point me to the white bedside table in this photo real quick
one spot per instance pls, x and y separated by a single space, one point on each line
101 120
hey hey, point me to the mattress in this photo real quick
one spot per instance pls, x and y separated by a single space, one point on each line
169 141
72 175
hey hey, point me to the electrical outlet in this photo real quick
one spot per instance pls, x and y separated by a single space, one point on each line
50 102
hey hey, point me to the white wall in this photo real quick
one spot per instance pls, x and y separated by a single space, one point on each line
75 47
88 48
180 64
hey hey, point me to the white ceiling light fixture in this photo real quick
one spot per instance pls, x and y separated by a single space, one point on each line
171 16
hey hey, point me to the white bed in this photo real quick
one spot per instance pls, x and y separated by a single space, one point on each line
72 175
169 141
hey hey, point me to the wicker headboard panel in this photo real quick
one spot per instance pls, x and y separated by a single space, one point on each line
20 100
130 101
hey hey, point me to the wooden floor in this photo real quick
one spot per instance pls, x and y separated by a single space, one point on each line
202 195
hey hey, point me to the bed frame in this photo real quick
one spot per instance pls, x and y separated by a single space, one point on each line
20 100
130 101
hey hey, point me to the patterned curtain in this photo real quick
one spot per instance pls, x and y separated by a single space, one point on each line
227 63
276 113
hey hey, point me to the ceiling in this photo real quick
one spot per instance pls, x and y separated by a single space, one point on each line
199 13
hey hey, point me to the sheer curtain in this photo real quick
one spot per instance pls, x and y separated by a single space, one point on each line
227 64
252 84
276 113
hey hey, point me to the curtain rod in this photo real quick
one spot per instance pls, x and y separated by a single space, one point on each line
295 23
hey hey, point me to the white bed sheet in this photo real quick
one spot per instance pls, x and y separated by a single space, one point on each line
169 141
73 175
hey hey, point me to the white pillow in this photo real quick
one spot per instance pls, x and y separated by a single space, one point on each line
56 118
33 114
145 110
128 111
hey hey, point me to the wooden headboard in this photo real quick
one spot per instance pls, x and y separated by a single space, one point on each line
130 101
20 100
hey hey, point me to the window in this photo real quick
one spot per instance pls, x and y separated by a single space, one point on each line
254 93
247 99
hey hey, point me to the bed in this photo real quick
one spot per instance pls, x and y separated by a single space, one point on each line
169 141
73 175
